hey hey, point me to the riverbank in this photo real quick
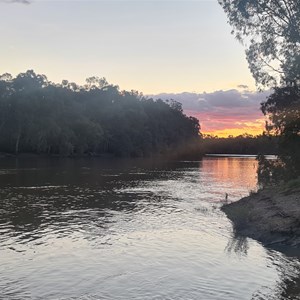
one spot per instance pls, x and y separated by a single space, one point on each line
271 216
190 152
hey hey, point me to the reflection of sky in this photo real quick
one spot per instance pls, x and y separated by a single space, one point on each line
150 230
235 175
150 46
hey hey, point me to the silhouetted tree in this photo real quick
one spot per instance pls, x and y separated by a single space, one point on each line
271 31
39 116
242 144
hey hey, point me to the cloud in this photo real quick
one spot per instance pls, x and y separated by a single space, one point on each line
16 1
243 86
223 110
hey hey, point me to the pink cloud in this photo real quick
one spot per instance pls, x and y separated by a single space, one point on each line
223 110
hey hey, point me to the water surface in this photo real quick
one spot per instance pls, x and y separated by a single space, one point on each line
132 229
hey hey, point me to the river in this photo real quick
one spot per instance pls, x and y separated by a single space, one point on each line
132 229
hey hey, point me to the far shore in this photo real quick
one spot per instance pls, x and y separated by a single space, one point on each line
169 155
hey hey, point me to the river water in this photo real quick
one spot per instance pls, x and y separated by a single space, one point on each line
132 229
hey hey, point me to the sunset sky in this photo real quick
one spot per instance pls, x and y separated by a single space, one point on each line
178 49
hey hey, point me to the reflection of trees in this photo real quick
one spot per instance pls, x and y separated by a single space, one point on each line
58 194
290 288
288 267
28 209
237 244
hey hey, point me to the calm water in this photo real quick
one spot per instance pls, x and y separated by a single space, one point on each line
96 229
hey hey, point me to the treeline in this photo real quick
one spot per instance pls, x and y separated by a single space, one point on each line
242 144
38 116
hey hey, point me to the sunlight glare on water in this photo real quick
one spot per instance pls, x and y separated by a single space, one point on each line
132 229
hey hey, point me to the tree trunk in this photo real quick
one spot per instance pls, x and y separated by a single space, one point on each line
17 143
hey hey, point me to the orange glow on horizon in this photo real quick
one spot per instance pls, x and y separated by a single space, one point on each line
229 123
252 128
234 132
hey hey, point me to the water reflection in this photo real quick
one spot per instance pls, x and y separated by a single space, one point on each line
237 171
287 285
131 229
290 288
27 213
237 244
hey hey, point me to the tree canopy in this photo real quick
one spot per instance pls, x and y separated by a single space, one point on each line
242 144
270 29
39 116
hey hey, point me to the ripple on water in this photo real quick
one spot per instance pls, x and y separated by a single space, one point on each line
136 233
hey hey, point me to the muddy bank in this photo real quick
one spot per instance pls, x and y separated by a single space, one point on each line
271 216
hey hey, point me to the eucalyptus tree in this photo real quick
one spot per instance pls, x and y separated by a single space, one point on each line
270 31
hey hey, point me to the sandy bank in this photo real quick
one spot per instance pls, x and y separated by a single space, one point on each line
271 216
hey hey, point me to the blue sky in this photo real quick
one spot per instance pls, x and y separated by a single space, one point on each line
178 49
149 46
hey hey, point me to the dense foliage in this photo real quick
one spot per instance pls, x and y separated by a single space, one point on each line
283 109
242 144
38 116
270 29
271 32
